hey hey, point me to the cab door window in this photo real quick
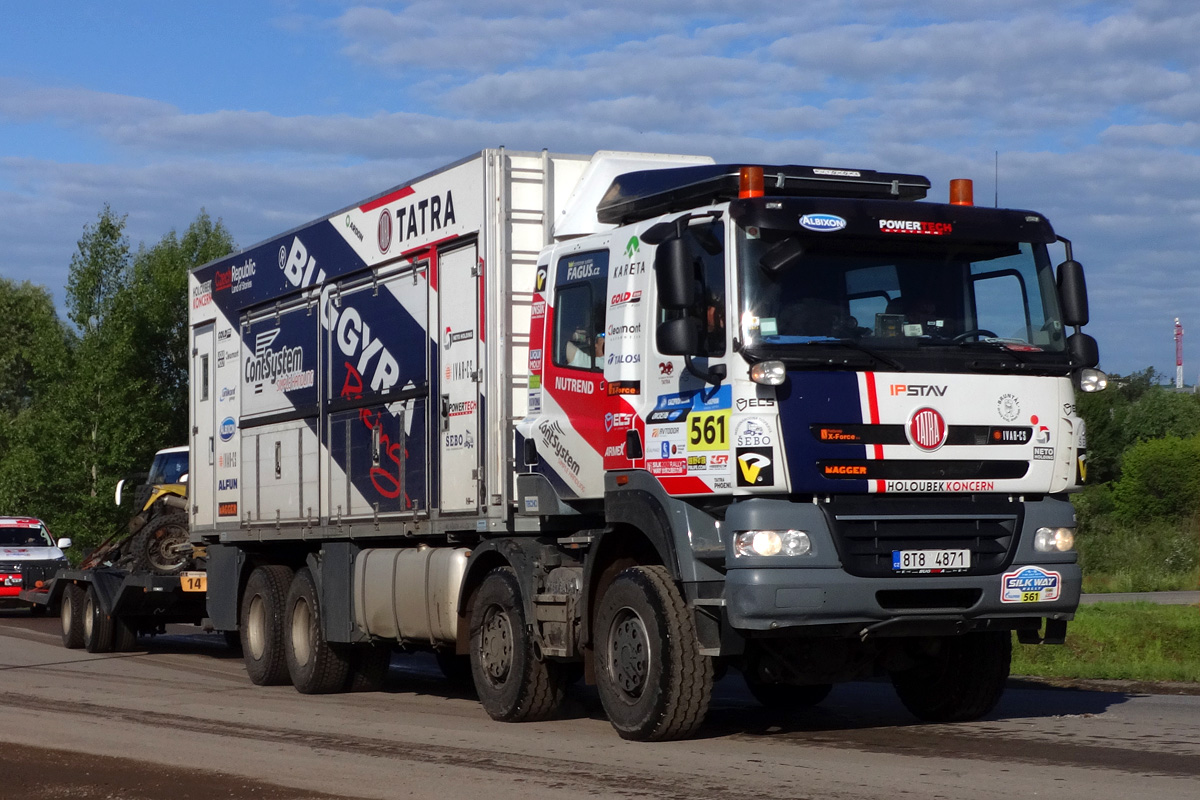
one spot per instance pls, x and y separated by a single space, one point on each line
579 304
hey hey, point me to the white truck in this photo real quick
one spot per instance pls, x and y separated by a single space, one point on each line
650 415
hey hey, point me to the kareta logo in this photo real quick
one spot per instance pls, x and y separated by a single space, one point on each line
822 222
228 426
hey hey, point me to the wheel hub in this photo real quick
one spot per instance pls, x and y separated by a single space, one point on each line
629 652
495 646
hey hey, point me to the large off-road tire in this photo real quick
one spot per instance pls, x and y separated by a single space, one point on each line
961 680
369 665
97 626
315 665
70 609
786 697
161 546
512 684
652 680
261 624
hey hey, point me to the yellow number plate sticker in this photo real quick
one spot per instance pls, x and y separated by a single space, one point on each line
708 430
194 581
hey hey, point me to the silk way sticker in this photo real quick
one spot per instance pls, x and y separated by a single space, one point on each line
1030 585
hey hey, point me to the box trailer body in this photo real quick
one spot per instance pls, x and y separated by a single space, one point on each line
591 406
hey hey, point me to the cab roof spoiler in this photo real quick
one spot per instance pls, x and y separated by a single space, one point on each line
636 196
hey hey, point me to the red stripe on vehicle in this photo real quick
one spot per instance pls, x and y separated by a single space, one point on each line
387 198
873 408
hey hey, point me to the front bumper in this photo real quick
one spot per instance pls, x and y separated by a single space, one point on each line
778 592
773 599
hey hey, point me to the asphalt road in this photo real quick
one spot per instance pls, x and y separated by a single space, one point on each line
179 719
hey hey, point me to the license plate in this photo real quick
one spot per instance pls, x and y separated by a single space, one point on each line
194 581
930 560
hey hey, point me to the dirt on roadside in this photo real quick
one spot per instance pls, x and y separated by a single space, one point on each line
27 771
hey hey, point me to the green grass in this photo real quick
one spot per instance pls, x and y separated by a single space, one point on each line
1156 555
1120 641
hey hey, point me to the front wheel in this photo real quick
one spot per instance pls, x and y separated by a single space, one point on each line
652 680
512 684
960 679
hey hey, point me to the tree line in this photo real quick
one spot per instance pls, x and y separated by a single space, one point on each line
87 400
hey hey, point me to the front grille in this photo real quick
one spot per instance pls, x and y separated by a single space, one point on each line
866 536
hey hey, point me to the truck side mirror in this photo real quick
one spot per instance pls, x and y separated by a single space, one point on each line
1083 349
674 275
1072 292
678 337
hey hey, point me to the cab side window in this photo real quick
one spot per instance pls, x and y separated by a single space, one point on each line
579 303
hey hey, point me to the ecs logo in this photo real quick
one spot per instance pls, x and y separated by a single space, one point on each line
755 466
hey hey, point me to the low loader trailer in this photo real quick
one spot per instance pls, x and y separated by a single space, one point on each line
643 417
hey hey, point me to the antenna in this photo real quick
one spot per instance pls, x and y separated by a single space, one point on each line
996 181
1178 354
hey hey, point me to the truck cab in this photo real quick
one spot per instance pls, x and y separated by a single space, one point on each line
850 413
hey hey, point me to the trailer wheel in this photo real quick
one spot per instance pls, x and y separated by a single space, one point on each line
262 625
316 666
512 684
369 665
97 626
70 609
961 680
161 546
652 680
786 697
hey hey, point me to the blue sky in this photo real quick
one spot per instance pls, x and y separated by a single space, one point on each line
270 114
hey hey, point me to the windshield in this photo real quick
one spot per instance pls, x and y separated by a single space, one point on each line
25 536
168 467
798 294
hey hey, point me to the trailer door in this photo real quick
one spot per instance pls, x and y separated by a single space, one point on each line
459 378
203 416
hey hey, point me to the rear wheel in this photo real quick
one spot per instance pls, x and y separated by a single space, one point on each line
262 624
97 626
162 546
512 684
70 610
315 665
960 679
369 665
652 680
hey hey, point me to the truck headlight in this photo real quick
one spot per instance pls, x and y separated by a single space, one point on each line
771 543
1092 380
1049 540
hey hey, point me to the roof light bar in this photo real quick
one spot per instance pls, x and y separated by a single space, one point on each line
648 193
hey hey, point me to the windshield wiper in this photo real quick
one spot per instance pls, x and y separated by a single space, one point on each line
850 344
